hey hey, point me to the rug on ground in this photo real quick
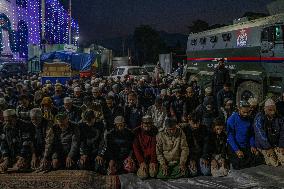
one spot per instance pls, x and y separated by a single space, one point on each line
58 180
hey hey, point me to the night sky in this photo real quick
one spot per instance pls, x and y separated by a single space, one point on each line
101 19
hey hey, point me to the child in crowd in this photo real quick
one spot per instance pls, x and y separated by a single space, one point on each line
218 146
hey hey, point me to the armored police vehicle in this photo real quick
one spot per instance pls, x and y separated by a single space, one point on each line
253 52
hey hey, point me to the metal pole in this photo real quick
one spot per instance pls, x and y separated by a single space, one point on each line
42 19
70 22
42 40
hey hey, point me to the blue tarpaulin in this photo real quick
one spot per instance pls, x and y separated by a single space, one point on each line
86 61
78 61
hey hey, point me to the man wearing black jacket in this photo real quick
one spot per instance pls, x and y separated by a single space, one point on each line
133 112
16 142
62 144
220 77
197 140
117 150
73 112
112 111
218 149
41 128
92 134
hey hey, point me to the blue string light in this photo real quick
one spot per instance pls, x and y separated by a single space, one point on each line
24 19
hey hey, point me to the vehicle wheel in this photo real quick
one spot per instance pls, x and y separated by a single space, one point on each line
249 89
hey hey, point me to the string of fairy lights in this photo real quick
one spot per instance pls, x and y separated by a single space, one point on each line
22 20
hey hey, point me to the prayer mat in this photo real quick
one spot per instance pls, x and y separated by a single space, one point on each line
62 179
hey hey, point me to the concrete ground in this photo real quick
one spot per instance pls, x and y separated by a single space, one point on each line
257 177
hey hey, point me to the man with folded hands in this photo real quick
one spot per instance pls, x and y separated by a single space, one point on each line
144 147
172 151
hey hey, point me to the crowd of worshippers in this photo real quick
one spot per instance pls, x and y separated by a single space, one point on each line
164 129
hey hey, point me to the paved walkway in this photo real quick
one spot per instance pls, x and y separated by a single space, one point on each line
257 177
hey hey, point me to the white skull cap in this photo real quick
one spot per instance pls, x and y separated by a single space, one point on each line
164 91
87 86
119 119
269 102
67 100
35 112
76 89
9 112
253 101
208 90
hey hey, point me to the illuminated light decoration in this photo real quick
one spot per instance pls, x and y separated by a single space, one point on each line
24 18
23 39
56 26
5 26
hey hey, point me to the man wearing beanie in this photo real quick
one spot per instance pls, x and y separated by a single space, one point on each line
92 134
197 139
269 134
62 147
172 151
